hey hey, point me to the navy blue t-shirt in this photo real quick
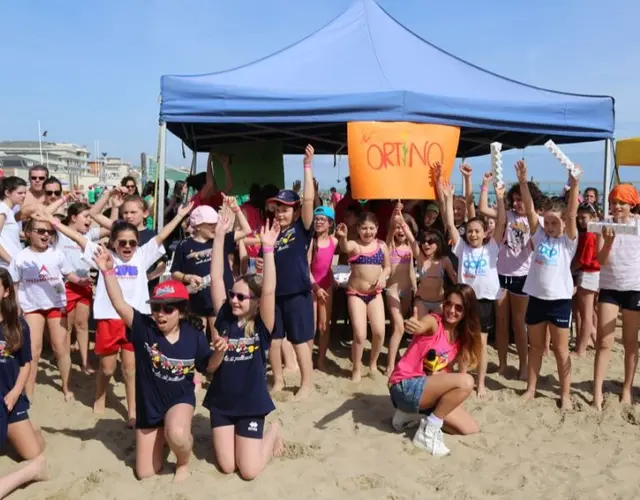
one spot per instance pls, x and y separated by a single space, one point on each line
194 257
165 371
11 362
239 385
290 255
229 249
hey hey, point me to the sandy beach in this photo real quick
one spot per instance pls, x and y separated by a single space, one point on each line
340 444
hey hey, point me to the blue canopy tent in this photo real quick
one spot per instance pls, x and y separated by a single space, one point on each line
366 66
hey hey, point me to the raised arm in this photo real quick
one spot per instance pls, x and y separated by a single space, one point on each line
268 236
59 226
426 325
466 171
244 229
446 192
571 226
100 206
501 220
218 293
344 244
483 206
104 261
308 190
175 222
527 200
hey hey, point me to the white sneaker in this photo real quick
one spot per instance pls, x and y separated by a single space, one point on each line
430 438
402 420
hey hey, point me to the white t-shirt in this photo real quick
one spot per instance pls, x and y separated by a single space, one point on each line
73 253
10 234
622 270
549 277
41 277
132 277
478 268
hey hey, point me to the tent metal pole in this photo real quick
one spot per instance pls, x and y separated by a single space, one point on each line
162 153
607 176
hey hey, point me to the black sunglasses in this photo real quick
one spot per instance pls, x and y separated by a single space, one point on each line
240 296
130 186
38 178
125 243
52 193
42 231
165 308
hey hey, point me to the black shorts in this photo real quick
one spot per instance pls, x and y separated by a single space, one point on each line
629 300
294 318
487 311
17 414
513 284
144 421
556 312
250 427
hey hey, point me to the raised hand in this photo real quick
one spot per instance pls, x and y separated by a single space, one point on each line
308 154
103 259
466 170
342 230
183 211
445 188
225 222
487 178
269 233
500 191
521 171
574 182
437 172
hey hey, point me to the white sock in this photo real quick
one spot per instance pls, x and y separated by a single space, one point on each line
435 421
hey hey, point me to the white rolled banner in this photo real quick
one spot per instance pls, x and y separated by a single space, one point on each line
496 163
562 158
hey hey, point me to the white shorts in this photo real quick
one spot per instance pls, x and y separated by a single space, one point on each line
589 281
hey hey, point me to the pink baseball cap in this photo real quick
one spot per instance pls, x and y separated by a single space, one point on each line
203 214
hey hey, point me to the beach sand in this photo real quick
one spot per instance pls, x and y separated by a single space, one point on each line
339 444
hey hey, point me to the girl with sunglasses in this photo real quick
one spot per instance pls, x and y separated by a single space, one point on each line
40 271
131 264
321 254
15 366
13 192
433 265
79 296
423 382
238 397
402 280
477 265
169 347
370 268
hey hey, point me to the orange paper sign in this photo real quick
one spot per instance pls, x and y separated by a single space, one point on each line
394 160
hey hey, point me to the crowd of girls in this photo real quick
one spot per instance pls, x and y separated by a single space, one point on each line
254 285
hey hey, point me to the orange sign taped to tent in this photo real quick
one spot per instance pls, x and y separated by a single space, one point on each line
394 160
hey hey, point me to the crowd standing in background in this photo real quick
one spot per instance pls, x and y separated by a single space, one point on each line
225 292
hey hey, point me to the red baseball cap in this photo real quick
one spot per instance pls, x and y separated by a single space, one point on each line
168 292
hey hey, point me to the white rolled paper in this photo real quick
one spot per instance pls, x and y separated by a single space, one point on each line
631 228
496 163
562 158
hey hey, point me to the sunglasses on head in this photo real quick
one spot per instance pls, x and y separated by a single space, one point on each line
53 193
240 296
459 308
42 231
127 243
38 178
165 308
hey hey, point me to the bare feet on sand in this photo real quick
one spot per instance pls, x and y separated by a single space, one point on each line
278 444
68 396
356 376
303 392
98 407
597 402
565 403
527 396
278 385
182 473
626 397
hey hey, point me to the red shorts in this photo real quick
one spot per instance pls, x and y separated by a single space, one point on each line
77 294
56 312
111 337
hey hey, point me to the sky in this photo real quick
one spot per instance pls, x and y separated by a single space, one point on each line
91 70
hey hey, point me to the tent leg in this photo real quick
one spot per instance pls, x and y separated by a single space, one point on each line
162 153
607 176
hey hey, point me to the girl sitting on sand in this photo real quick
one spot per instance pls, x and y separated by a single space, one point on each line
432 267
131 264
549 284
402 280
477 266
422 381
169 347
15 366
321 253
370 268
40 271
238 397
619 257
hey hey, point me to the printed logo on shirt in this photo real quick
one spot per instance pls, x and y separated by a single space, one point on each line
241 349
43 275
5 353
126 271
202 256
473 267
547 254
169 369
516 236
285 239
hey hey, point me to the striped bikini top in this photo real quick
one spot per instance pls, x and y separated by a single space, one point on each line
375 258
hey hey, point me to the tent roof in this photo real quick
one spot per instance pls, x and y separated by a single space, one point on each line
628 152
366 66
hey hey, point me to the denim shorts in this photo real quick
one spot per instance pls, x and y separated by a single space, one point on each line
406 394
